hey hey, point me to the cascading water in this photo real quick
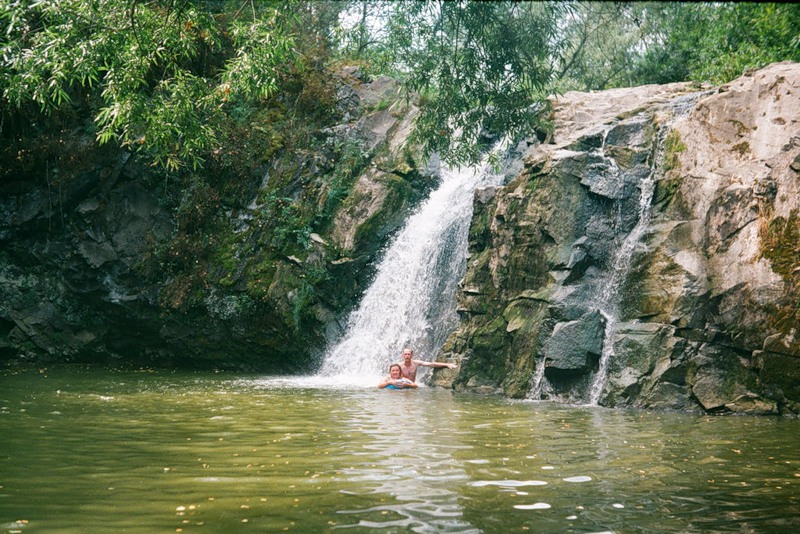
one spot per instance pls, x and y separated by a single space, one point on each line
411 301
608 303
609 299
607 292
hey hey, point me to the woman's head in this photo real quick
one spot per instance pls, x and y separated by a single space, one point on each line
395 371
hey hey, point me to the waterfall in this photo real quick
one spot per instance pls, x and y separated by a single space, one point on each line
609 299
605 295
608 302
537 383
411 301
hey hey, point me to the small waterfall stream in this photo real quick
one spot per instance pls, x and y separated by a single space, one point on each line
608 295
411 301
608 303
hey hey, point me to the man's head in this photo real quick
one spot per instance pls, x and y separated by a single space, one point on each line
408 354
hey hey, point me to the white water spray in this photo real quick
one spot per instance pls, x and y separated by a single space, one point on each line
411 301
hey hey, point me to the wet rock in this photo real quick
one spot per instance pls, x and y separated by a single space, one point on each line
703 313
143 269
575 346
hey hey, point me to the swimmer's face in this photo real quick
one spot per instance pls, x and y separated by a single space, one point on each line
407 355
394 371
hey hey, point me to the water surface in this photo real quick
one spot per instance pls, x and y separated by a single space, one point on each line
95 451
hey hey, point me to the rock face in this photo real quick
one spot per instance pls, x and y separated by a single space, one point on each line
648 251
645 255
100 263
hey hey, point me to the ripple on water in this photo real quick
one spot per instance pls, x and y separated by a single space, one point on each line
339 382
508 483
231 446
534 506
577 479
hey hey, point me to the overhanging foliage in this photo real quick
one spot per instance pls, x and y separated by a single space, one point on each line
163 76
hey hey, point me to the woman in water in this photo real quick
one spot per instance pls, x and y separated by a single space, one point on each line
395 380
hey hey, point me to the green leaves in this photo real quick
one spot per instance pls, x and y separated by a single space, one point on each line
177 126
263 47
149 62
716 42
481 68
161 76
746 36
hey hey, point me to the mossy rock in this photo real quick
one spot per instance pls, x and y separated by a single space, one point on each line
673 147
781 371
666 189
491 336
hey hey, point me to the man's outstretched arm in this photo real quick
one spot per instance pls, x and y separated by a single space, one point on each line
437 365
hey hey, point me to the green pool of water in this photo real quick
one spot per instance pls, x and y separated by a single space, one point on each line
97 451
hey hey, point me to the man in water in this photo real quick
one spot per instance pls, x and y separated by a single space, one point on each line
395 380
409 366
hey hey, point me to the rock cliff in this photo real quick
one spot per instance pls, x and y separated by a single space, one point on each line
105 260
646 255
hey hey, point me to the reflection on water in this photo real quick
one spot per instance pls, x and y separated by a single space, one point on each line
407 453
86 451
